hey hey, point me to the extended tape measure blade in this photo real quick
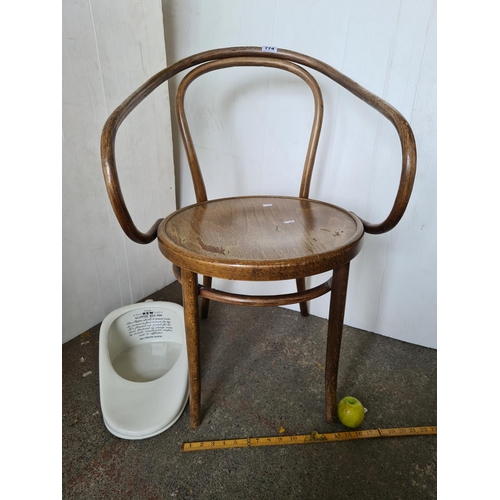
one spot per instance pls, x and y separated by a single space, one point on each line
313 437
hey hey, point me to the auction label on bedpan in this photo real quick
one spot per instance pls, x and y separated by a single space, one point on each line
149 324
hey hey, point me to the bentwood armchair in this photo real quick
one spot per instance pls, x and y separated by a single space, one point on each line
258 238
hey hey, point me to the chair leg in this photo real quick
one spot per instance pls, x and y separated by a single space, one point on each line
207 283
192 323
301 286
334 338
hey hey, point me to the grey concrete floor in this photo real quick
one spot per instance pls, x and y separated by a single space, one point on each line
262 372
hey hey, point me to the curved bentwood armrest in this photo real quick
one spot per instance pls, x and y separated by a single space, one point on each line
409 156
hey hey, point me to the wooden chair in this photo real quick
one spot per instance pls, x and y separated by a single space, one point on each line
258 238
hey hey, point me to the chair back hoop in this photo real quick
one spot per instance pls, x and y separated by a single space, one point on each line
254 56
198 182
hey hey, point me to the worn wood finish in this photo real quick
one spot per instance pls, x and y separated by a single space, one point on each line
191 319
207 293
267 301
334 337
258 238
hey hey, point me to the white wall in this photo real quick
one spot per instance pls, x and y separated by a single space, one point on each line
110 47
250 127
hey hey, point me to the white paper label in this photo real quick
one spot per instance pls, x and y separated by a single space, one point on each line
269 49
149 324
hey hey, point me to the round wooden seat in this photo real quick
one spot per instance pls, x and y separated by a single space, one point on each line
260 237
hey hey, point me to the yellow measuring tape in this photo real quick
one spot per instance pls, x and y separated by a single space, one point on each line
313 437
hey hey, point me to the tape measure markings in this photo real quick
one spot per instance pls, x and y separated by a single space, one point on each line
313 437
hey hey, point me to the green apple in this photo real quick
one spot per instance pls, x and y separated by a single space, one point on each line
351 412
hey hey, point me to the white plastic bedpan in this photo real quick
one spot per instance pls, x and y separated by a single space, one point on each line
143 369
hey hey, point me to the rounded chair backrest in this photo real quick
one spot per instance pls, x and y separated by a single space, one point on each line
194 165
